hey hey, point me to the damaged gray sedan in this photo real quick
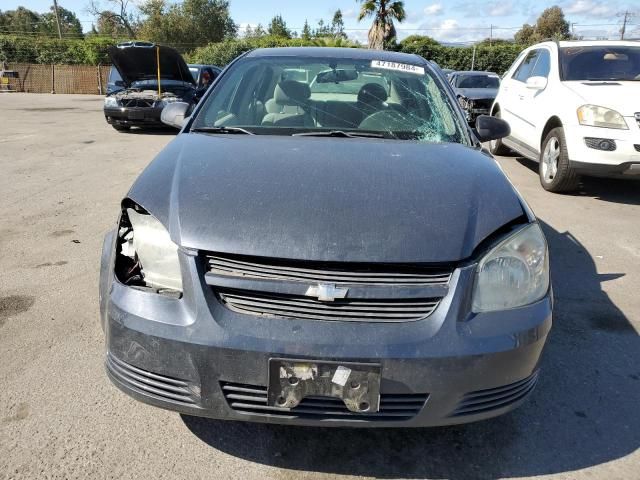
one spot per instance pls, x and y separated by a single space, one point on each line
326 243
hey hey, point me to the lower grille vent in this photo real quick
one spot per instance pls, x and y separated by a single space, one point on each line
252 400
495 398
290 306
152 384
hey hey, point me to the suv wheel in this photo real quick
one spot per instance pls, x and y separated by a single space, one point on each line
556 175
496 147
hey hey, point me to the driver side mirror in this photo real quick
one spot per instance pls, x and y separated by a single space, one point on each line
491 128
175 114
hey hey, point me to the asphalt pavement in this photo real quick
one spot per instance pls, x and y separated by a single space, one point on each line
63 172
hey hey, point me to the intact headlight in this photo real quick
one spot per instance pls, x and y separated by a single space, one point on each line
595 116
110 102
514 273
157 255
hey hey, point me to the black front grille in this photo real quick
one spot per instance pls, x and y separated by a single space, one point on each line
137 102
252 400
483 401
292 306
637 147
314 272
152 384
483 103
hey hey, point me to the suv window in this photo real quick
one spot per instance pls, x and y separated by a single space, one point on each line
543 65
524 70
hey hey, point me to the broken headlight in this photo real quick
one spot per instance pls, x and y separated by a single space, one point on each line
167 100
110 102
154 257
514 273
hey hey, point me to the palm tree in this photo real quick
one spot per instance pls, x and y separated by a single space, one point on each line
382 31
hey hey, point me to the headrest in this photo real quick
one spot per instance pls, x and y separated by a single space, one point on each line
290 92
372 93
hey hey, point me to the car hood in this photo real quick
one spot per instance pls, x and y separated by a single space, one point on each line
477 93
610 94
326 199
139 63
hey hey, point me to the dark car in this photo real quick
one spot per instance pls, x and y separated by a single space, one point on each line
150 77
204 75
341 258
476 91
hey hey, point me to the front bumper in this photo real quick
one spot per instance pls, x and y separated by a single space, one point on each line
623 161
133 116
195 356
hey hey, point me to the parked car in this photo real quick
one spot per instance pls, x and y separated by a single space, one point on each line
573 107
476 91
360 261
204 75
138 96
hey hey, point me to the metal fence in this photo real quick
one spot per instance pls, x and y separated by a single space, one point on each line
38 78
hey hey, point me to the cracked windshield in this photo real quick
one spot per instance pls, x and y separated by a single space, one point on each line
314 96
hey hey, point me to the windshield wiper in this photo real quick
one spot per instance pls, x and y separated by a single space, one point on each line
339 133
223 130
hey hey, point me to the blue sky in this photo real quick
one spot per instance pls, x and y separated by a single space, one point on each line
449 21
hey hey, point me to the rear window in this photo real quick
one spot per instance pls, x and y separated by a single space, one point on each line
477 81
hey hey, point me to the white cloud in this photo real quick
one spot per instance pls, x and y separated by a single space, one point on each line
500 9
587 7
350 13
434 9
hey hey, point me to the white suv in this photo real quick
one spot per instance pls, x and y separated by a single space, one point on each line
575 108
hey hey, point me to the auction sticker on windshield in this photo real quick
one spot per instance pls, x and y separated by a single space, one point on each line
402 67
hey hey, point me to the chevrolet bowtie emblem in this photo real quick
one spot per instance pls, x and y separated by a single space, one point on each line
326 292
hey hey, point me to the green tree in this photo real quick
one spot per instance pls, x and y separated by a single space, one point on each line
108 26
120 11
191 23
322 30
69 24
487 42
278 27
550 24
337 25
382 33
418 40
20 20
306 31
259 31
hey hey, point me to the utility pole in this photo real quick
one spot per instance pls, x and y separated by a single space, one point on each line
55 8
491 35
627 16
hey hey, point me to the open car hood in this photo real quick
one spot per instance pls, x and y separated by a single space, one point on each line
478 93
136 61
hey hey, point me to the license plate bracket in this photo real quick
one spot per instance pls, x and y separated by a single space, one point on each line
356 384
136 115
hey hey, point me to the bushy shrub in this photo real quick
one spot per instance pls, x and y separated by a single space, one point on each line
497 58
18 49
92 51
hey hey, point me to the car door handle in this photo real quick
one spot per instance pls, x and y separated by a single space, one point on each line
521 97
